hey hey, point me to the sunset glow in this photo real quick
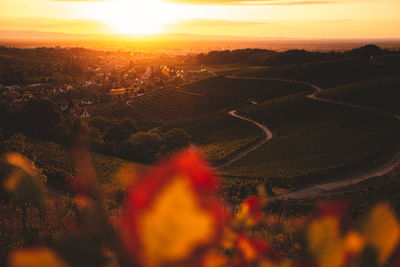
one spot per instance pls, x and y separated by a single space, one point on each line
135 17
260 19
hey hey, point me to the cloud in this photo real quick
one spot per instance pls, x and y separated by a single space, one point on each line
82 26
339 28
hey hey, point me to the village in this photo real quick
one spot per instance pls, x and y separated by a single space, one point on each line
102 79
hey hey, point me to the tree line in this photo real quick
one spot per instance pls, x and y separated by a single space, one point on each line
42 120
273 58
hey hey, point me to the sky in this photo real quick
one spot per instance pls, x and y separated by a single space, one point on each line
244 18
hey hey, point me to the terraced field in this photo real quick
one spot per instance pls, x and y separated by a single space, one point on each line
169 106
194 100
244 90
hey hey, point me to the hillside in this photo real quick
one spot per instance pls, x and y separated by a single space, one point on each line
333 73
382 94
244 90
197 99
167 106
56 163
315 141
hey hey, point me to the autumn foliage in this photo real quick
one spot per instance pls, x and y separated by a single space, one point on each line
174 216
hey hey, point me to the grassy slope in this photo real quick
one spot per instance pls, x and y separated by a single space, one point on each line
314 139
203 116
383 94
222 135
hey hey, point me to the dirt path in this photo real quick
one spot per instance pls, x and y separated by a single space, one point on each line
267 132
325 188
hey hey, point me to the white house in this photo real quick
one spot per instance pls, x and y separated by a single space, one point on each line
85 114
86 102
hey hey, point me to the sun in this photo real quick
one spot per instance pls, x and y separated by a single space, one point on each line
135 16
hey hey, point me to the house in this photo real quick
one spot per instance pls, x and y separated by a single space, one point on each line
88 111
117 92
11 87
193 71
63 104
89 83
86 102
85 114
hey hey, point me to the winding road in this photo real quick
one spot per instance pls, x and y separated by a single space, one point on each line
325 188
267 132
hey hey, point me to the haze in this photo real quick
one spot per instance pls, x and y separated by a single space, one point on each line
258 19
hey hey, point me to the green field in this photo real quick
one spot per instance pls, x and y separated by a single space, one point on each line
244 90
315 141
221 135
383 94
201 108
333 73
233 67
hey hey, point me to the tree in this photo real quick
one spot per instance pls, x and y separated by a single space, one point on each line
142 147
39 118
176 138
120 131
101 123
365 51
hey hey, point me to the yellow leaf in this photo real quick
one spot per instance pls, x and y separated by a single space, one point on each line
382 231
22 162
35 257
325 242
175 225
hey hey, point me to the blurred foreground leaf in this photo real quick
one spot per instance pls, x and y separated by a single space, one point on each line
382 231
35 257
